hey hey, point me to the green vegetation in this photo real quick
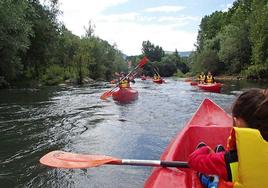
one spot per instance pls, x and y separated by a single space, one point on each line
34 45
165 64
234 42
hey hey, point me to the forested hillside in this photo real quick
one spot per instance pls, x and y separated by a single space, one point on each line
234 42
34 45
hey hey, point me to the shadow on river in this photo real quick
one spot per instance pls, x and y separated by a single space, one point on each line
36 121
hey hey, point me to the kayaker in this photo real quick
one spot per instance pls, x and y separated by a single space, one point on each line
143 77
156 77
202 78
247 142
209 79
123 80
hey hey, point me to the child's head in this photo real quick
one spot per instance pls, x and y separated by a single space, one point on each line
251 110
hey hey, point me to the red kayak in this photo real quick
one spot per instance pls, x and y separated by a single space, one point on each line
158 81
125 95
210 124
143 77
216 87
193 83
188 80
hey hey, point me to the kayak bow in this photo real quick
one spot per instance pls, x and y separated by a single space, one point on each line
209 124
125 95
216 87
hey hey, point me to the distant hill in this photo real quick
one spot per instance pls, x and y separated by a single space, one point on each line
182 54
185 54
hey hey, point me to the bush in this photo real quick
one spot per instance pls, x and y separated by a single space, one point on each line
256 71
179 73
54 75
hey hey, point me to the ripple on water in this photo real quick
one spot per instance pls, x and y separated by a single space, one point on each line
34 122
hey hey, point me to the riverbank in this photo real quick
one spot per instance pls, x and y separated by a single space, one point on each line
225 77
38 83
220 77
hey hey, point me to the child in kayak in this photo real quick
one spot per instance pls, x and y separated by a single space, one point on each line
157 77
124 82
202 78
209 79
247 145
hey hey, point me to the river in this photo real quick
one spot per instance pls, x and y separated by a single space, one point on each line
72 118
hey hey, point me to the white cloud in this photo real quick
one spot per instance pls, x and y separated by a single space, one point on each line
165 8
129 36
76 14
130 29
226 7
180 20
131 16
92 7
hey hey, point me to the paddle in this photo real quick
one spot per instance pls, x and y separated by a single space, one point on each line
159 77
61 159
157 72
107 94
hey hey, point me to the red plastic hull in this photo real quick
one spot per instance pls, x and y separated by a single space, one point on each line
216 87
193 83
158 81
125 95
188 80
209 124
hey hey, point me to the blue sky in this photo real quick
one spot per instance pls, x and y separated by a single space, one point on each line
171 24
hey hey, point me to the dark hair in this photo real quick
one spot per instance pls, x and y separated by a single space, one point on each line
252 107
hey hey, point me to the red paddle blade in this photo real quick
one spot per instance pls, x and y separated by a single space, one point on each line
143 61
61 159
106 95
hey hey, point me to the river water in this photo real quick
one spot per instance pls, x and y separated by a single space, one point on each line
71 118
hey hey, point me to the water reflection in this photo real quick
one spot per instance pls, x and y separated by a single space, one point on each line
36 121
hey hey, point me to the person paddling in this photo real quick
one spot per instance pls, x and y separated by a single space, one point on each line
123 80
209 79
202 78
157 77
245 162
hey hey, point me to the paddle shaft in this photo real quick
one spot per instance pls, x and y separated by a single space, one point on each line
61 159
155 163
124 78
138 66
129 73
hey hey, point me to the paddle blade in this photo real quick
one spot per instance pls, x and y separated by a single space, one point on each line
143 61
61 159
106 95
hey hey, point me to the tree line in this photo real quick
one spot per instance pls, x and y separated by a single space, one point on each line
234 42
34 45
161 62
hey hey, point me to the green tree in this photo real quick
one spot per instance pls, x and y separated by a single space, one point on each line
42 50
14 36
67 48
235 48
209 27
153 53
209 61
259 40
167 66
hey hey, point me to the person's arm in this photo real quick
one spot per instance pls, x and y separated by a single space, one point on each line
207 162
